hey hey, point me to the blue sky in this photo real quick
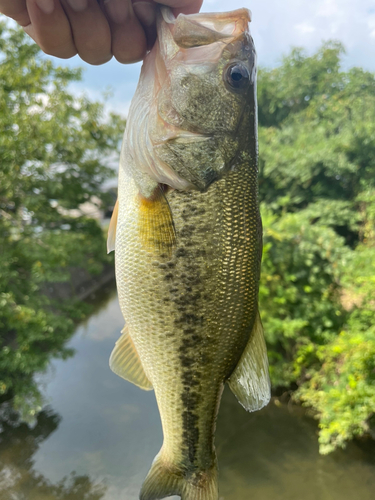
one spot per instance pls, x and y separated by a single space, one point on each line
276 26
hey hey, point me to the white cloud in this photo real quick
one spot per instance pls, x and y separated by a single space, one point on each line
371 25
328 8
304 28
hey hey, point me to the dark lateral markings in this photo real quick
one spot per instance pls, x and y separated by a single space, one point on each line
190 324
186 291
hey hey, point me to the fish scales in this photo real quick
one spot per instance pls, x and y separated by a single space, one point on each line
191 304
187 269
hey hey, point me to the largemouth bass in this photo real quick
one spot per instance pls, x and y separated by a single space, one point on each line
187 237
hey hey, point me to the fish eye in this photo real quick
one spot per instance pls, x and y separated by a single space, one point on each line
236 77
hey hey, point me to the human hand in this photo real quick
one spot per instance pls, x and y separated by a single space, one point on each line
94 29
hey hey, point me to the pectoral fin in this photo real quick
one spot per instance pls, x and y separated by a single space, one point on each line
125 362
250 380
156 227
111 240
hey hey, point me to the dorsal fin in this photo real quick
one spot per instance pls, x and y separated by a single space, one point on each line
125 362
111 240
250 381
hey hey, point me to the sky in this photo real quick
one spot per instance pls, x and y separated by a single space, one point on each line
277 25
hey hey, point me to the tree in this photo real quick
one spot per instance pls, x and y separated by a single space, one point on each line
317 185
54 153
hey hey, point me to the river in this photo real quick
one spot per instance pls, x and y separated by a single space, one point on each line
97 437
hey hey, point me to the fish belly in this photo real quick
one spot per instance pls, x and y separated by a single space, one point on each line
190 313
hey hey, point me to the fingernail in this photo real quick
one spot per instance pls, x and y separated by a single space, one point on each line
117 10
46 6
78 5
146 12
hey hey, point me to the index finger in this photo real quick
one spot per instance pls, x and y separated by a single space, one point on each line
183 6
16 9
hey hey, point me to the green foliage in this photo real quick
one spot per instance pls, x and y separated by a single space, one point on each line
342 390
289 88
299 291
317 186
54 154
342 386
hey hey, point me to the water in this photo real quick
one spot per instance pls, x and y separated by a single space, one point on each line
99 435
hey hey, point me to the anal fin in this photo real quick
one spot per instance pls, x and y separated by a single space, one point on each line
111 240
125 362
250 381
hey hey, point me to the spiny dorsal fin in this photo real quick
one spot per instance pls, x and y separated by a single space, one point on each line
156 227
111 240
125 362
250 380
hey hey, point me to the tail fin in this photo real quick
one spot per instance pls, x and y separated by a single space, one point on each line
165 480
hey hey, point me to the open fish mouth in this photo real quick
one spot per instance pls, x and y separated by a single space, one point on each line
199 32
202 29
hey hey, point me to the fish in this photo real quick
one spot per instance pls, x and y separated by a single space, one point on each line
187 236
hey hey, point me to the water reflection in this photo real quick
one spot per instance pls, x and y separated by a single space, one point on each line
18 478
273 454
108 431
